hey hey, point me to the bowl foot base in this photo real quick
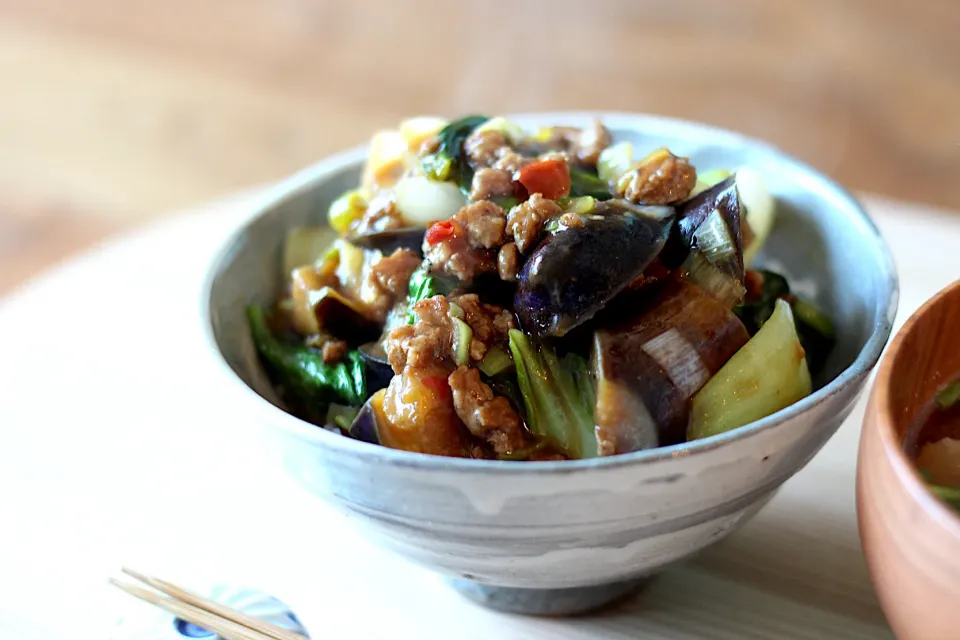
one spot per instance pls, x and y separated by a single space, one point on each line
546 602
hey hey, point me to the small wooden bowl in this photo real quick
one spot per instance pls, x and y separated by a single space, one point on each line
910 538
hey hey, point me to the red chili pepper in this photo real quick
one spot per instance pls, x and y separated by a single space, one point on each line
549 178
440 231
437 384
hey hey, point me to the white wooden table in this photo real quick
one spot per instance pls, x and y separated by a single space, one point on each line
115 449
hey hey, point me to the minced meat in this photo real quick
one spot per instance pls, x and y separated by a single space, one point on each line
583 145
490 183
486 415
381 215
484 147
590 142
392 273
662 178
508 262
431 338
485 223
572 220
525 221
389 277
428 340
511 161
471 250
333 351
490 324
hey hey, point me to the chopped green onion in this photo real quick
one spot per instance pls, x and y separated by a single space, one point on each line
582 205
437 167
495 362
462 335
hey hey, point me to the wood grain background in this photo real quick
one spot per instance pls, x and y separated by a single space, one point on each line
113 112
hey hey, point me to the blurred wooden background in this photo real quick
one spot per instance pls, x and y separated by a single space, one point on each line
115 112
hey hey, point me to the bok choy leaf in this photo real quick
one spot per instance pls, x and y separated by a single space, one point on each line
557 397
301 370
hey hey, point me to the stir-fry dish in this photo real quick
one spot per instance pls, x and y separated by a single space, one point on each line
937 445
502 294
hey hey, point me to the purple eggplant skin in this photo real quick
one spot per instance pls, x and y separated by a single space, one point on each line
379 371
577 270
392 239
722 197
648 366
364 426
339 317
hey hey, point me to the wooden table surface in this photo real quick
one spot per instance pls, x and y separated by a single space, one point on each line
114 113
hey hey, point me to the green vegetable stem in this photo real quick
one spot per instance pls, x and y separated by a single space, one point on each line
814 327
556 397
584 183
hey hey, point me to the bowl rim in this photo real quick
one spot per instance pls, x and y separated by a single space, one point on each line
905 470
884 309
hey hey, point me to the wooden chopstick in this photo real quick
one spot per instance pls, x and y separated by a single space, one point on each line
264 627
213 616
222 627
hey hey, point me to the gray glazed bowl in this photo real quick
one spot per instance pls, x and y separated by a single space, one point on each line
564 537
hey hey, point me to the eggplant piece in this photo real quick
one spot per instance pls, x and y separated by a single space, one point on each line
414 413
379 371
339 316
648 367
577 270
364 426
389 241
707 241
722 197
